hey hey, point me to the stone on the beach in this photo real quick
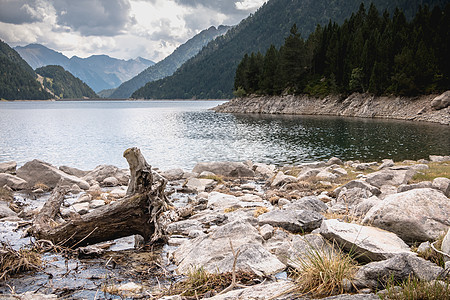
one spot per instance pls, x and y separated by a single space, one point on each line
214 253
375 275
364 206
219 200
326 175
420 185
73 171
415 216
102 172
307 203
282 179
358 184
81 208
199 185
37 171
442 184
361 296
8 167
96 204
392 176
348 199
439 158
266 231
266 290
334 161
173 174
295 221
12 181
184 227
226 169
5 211
110 181
118 192
442 101
386 163
301 247
369 243
263 170
307 173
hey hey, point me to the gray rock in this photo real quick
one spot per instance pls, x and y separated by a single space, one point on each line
295 221
364 206
369 243
438 158
442 101
81 208
37 171
283 201
327 175
8 167
445 247
73 171
110 181
173 174
219 200
349 198
102 172
334 161
266 231
301 247
199 185
307 173
386 163
5 211
424 247
363 166
359 184
263 170
353 297
12 181
184 227
226 169
96 204
266 290
390 177
375 275
415 216
282 179
213 251
407 187
307 203
442 184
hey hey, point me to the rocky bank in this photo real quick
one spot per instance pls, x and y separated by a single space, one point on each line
261 220
429 108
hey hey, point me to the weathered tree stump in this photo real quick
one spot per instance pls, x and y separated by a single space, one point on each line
139 212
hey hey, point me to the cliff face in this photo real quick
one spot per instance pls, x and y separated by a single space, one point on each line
356 105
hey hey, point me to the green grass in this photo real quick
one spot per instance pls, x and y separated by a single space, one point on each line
436 169
415 289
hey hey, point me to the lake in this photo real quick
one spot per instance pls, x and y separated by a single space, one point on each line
174 134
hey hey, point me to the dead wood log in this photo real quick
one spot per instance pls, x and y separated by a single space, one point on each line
141 212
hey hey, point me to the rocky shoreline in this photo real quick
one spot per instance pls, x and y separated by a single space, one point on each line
429 108
261 220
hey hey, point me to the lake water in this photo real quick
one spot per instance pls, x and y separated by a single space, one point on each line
181 133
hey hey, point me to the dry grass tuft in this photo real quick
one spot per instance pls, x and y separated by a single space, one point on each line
42 186
436 169
16 261
260 210
217 178
413 289
323 273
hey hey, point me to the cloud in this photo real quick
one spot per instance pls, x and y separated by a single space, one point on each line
21 11
94 17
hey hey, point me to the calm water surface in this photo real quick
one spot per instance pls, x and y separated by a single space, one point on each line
181 133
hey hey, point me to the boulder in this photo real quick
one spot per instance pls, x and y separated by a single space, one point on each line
442 101
37 171
214 253
307 203
110 181
349 198
364 206
445 247
375 275
439 158
415 216
334 161
390 177
263 170
184 227
307 173
5 211
358 184
8 167
221 201
173 174
266 290
102 172
12 181
407 187
327 175
199 185
226 169
386 163
442 184
368 243
282 179
73 171
295 221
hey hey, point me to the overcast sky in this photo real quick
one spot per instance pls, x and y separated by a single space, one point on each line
119 28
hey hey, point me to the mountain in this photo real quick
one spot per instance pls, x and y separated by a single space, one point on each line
98 71
17 78
170 64
210 74
63 84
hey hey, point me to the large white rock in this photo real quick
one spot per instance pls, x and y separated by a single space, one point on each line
12 181
368 243
442 184
37 171
391 176
442 101
224 168
213 251
415 216
219 200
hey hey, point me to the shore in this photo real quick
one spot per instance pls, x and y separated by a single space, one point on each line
429 108
253 220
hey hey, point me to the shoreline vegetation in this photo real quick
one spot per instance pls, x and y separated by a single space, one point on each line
233 227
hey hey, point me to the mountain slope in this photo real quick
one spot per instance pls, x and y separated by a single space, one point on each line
63 84
210 74
98 71
17 78
167 66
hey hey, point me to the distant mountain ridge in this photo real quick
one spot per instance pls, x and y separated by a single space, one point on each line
210 74
170 64
98 71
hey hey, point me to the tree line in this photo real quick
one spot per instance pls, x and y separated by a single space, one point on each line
370 52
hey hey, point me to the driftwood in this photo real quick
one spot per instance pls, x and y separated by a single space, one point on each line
139 212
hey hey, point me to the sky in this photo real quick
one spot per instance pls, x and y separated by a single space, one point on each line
123 29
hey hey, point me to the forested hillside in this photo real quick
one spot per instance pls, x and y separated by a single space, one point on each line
17 78
211 73
170 64
369 52
63 84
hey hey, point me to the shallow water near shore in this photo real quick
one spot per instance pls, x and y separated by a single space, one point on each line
175 134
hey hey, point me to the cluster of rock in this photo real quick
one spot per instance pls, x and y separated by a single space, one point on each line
429 108
275 216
